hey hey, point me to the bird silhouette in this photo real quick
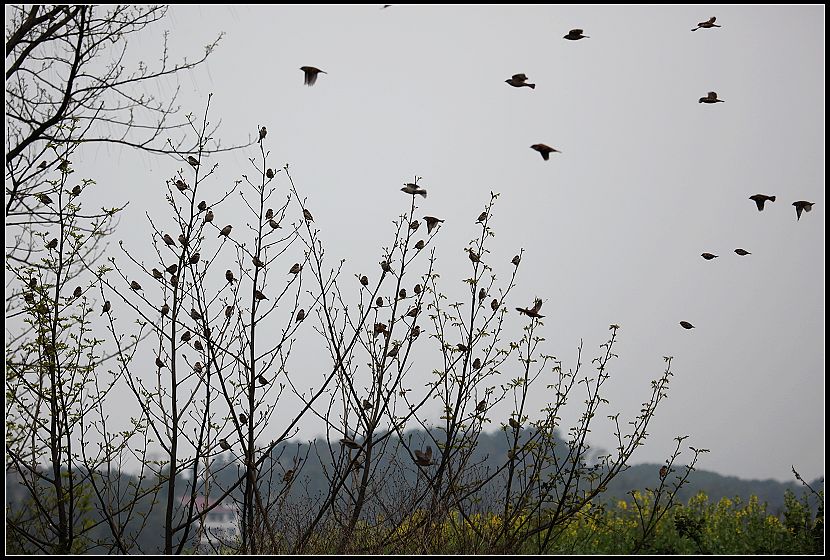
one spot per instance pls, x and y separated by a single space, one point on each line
664 471
181 185
229 276
307 215
414 225
419 245
520 80
107 307
494 305
183 240
534 311
273 223
544 150
760 199
259 296
431 223
174 280
708 256
261 379
514 424
575 35
257 263
686 325
269 173
168 240
209 216
193 161
262 132
742 252
223 443
228 311
195 315
482 217
475 257
413 189
165 309
76 190
243 418
482 293
300 315
135 285
296 268
44 198
194 258
186 336
289 474
481 406
364 280
269 213
802 205
477 363
349 442
157 274
202 206
417 289
226 231
711 97
311 73
402 293
197 344
159 363
172 268
516 260
708 24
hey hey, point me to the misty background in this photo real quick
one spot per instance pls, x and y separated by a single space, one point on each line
612 228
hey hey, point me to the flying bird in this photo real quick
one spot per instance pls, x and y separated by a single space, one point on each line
802 205
686 325
520 80
760 199
708 24
545 150
431 223
412 188
226 231
311 74
708 256
423 458
742 252
711 97
534 311
575 35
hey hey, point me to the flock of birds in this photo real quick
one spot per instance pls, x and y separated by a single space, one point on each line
521 80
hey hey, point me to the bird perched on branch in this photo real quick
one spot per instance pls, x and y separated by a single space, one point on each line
165 309
413 189
262 132
364 280
520 80
711 97
229 276
135 285
514 424
193 161
575 35
760 199
261 379
107 307
802 205
516 260
226 231
296 268
157 274
209 216
310 77
259 295
223 443
300 315
307 215
708 24
202 206
494 305
159 363
181 185
289 474
534 311
545 150
420 244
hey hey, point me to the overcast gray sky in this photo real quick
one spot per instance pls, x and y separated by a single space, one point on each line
612 228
